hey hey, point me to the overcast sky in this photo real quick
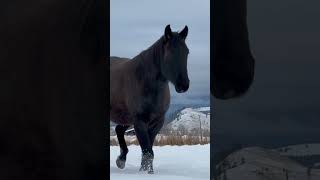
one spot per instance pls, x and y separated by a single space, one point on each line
285 96
136 25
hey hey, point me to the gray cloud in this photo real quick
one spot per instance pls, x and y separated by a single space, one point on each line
136 25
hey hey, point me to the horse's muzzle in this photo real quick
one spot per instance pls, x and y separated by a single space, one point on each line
182 86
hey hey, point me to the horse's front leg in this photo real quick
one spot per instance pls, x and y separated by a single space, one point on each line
121 160
154 128
147 156
141 129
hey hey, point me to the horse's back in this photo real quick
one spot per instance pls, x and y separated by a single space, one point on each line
118 68
117 61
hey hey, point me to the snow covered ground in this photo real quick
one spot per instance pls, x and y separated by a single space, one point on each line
171 162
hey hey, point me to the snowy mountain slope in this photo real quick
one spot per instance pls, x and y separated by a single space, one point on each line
256 163
300 150
171 162
203 109
191 119
257 155
306 154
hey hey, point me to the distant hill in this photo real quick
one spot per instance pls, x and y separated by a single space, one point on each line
191 119
174 109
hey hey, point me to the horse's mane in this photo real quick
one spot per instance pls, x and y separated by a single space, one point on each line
153 51
148 61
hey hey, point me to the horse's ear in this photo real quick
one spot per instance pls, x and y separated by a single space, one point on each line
184 33
168 32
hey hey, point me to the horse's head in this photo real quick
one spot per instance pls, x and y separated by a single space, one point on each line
174 63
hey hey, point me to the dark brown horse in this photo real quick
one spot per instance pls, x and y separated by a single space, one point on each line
139 93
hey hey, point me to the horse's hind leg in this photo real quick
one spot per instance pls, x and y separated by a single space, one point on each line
121 160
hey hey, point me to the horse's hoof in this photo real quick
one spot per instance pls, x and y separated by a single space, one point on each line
143 168
150 171
120 163
147 162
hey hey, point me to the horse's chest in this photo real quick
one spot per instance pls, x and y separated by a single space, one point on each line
120 114
147 107
153 99
148 102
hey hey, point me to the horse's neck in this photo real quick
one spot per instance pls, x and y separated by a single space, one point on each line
147 63
147 69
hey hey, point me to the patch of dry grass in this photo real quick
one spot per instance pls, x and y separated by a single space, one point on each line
162 140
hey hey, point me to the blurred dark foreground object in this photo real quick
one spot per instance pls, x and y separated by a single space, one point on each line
233 64
52 89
